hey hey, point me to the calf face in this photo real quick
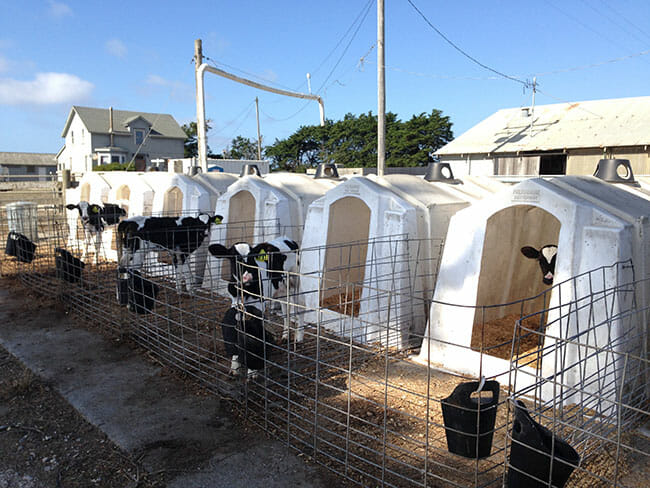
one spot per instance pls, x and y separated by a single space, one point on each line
546 257
89 213
265 271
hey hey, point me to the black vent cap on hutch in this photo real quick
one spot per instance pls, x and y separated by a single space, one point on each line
441 172
615 171
326 170
250 169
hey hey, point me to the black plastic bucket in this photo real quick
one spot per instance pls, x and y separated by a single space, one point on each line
122 286
536 456
68 268
24 248
469 422
10 248
142 293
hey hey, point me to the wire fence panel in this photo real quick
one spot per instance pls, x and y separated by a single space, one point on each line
332 356
587 382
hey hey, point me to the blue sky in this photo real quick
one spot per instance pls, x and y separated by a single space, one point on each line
137 56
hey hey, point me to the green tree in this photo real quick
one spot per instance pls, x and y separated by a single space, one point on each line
242 148
191 148
303 149
352 142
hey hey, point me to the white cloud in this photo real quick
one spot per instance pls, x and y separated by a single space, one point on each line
116 48
45 89
59 9
177 89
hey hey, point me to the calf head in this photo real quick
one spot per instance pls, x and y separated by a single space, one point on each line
88 212
241 260
546 258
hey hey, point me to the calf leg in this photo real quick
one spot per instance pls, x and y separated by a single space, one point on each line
288 310
189 277
98 246
229 332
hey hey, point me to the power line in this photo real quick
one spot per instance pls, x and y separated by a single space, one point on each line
526 83
245 110
626 19
595 65
250 75
359 15
613 21
586 26
367 9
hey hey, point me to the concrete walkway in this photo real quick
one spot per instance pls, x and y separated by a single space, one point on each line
144 413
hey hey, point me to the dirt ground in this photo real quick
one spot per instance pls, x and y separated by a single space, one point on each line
46 443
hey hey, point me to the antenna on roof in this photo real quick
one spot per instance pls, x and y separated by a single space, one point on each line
532 107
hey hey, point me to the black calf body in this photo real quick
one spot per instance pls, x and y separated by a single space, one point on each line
181 236
68 268
245 337
95 218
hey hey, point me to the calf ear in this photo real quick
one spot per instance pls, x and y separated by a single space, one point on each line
219 250
217 219
530 252
70 206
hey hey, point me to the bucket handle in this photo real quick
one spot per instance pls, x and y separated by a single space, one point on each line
465 390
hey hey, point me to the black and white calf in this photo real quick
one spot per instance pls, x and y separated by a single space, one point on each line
546 258
246 340
180 236
95 218
266 271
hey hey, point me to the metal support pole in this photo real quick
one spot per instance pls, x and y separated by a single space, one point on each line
259 137
202 145
200 103
381 91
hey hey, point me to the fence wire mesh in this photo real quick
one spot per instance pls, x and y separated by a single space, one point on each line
356 394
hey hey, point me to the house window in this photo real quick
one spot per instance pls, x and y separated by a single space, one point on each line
83 133
104 159
72 137
139 136
30 170
115 159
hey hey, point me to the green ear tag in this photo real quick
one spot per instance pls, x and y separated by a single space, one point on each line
95 210
217 220
263 256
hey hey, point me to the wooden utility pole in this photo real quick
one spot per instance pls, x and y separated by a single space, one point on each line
381 91
259 138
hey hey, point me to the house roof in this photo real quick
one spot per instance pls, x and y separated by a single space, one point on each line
27 159
96 121
591 124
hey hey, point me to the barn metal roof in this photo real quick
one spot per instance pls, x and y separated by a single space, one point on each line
27 159
590 124
96 121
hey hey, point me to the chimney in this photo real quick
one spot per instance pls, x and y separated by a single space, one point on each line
110 123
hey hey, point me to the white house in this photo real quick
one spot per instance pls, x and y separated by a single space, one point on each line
95 136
